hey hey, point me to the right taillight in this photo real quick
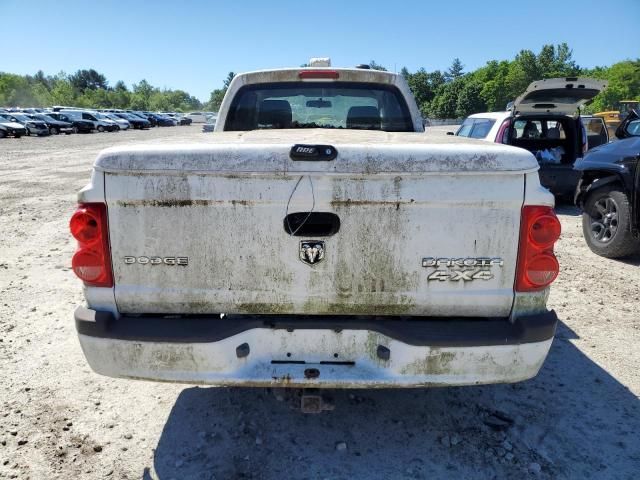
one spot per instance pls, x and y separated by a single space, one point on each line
92 260
537 265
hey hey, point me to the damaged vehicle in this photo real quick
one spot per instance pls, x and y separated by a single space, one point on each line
316 239
31 126
609 193
546 120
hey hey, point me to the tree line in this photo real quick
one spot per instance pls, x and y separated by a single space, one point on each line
90 89
452 93
456 94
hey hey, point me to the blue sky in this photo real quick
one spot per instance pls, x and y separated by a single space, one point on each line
193 44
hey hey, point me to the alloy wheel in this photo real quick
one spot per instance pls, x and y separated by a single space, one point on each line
604 219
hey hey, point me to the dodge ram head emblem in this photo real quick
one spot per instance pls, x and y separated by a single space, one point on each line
311 251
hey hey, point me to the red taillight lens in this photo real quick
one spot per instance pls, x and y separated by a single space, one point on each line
537 265
304 74
92 261
88 265
545 231
84 226
542 270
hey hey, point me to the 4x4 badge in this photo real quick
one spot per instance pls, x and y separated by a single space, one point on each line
311 251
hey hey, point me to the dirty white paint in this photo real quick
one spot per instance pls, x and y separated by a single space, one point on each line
399 199
409 366
223 207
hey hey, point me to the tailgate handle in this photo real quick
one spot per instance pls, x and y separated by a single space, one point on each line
313 153
311 224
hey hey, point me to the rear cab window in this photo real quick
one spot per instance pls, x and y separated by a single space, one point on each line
475 127
342 105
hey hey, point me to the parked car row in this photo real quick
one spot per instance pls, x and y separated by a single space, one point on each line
60 119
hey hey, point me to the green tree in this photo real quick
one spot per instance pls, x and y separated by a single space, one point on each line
624 84
455 70
62 92
376 66
216 97
229 79
470 100
423 85
120 86
88 80
141 98
445 103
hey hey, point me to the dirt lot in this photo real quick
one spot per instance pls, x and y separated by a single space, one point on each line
580 418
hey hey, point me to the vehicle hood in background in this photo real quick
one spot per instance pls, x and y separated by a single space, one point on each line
614 152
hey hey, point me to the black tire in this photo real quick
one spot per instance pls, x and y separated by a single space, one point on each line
606 223
100 128
17 135
3 134
54 131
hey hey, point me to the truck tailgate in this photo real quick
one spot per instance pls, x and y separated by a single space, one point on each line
201 229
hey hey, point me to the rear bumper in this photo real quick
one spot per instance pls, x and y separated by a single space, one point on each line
338 352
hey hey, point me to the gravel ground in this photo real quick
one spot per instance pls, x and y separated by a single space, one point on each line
579 418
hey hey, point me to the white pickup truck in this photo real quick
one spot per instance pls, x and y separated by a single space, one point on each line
318 238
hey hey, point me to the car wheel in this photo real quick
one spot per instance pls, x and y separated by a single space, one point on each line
606 223
3 134
100 128
54 131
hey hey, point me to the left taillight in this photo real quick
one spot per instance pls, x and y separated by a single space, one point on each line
537 265
92 260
